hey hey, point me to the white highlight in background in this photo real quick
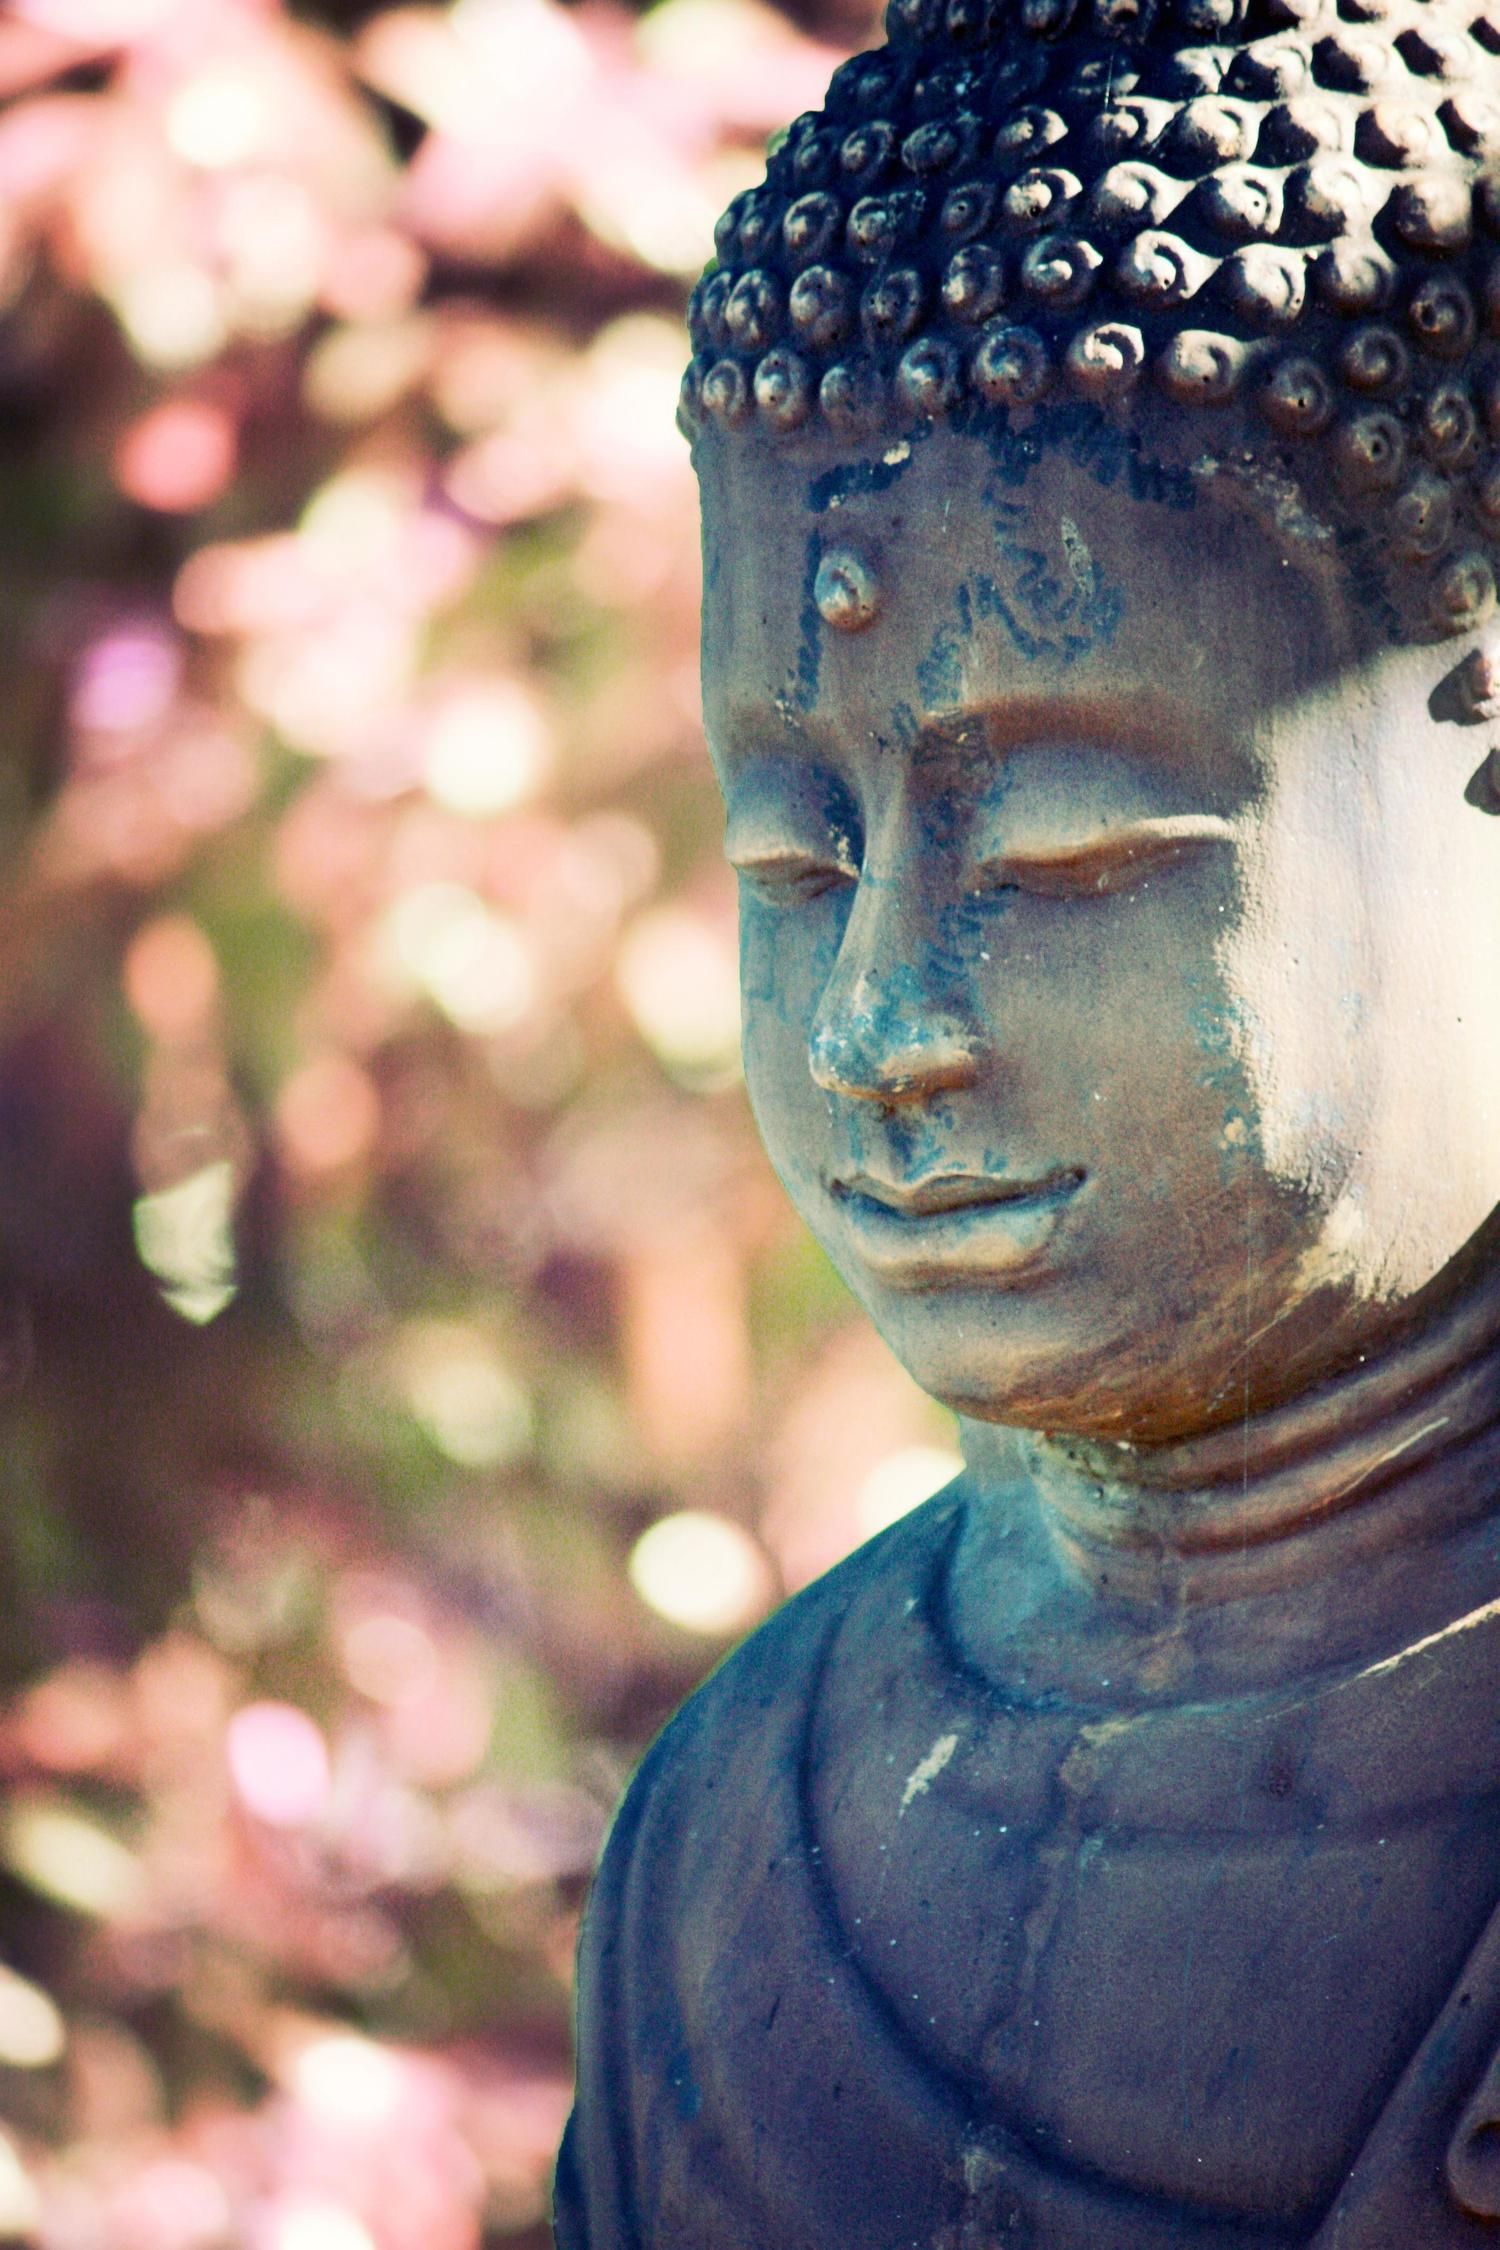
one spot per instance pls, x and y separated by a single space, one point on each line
702 1572
901 1482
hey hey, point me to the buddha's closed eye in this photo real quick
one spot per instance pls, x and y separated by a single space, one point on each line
790 874
788 869
789 855
793 830
1095 863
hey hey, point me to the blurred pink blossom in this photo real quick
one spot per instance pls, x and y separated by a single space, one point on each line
279 1763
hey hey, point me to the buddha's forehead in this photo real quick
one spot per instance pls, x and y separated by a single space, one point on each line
923 580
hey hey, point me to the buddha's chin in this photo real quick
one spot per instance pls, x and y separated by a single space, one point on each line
1028 1358
1051 1360
1021 1316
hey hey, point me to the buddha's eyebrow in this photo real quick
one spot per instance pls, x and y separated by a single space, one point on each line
756 725
752 714
1143 723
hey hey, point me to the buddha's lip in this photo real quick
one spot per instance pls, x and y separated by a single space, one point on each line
936 1194
954 1229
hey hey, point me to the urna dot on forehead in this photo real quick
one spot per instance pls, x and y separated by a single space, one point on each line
1263 234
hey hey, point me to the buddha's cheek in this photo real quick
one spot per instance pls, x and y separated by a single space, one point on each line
1363 972
786 958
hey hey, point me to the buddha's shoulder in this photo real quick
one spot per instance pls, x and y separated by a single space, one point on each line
768 1683
742 1732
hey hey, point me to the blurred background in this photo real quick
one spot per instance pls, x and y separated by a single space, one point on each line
411 1379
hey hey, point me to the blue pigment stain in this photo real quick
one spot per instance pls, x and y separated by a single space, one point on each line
810 642
940 671
906 727
1092 441
1045 611
849 478
990 602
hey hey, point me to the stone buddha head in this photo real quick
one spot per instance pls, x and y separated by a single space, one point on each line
1098 426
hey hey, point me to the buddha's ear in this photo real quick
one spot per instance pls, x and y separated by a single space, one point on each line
1472 2168
1468 695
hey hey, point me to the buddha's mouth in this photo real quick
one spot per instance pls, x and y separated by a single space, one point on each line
941 1192
953 1225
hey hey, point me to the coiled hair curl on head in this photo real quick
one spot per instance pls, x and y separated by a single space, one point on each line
1272 226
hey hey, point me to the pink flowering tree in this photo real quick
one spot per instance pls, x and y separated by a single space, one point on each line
410 1379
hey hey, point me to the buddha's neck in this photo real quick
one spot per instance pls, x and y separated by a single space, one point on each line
1374 1464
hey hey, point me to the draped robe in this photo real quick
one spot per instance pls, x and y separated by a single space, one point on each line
890 1951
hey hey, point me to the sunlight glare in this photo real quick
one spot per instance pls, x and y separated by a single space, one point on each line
185 1236
20 2203
346 2081
901 1482
679 978
217 119
487 748
466 1399
317 2226
65 1855
279 1764
32 2032
703 1572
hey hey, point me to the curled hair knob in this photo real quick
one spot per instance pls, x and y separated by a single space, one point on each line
1479 680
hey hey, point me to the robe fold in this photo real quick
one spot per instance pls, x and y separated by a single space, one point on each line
889 1953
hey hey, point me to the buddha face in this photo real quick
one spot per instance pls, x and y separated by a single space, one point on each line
1118 945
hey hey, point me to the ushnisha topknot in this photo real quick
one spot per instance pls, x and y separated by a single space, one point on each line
1274 224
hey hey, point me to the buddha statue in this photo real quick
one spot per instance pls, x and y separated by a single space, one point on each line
1098 424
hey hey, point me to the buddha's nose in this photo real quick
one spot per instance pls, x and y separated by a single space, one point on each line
879 1038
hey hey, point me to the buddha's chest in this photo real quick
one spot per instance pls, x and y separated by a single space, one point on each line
1180 1956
